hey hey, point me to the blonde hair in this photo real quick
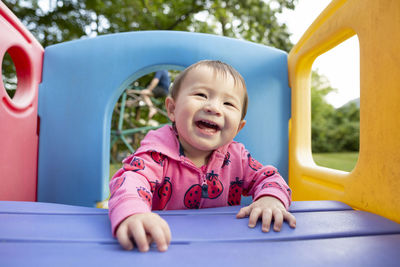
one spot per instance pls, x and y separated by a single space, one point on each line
220 68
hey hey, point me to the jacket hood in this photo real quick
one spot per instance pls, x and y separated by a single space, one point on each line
163 140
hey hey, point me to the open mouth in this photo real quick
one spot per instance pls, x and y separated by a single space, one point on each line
207 126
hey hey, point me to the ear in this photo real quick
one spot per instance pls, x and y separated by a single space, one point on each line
170 107
242 123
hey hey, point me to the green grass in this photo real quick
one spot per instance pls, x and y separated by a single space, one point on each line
344 161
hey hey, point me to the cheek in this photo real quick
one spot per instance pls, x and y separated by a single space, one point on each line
234 118
182 119
188 109
178 113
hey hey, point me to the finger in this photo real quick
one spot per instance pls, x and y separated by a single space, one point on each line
149 239
266 220
254 215
159 238
123 238
243 212
167 232
278 219
139 235
290 219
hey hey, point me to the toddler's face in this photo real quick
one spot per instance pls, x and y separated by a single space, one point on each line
207 111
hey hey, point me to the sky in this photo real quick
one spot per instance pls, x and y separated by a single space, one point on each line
340 65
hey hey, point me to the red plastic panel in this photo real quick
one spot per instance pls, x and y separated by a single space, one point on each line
18 116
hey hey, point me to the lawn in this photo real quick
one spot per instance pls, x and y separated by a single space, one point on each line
344 161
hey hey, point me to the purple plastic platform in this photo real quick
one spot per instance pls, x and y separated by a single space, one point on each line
328 233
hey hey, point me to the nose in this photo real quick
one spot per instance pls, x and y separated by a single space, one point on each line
213 107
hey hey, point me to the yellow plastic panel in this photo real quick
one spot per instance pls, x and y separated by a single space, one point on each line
374 184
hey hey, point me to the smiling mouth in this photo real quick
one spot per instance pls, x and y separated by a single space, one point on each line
207 126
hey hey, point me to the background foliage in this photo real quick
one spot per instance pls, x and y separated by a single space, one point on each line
333 130
54 21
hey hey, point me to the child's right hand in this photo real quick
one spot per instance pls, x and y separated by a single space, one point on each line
141 230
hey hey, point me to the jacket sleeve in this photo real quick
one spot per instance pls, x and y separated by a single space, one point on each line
262 180
132 187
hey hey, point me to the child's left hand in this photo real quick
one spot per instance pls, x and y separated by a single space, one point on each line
267 208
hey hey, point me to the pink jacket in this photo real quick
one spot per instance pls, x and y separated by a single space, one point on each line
159 177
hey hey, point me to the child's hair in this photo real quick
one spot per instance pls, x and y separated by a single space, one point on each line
218 67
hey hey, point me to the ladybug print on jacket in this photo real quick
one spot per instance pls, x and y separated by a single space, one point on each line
235 192
158 157
153 186
270 172
215 186
289 192
272 184
212 188
254 164
246 191
145 195
226 159
116 185
136 164
193 197
165 192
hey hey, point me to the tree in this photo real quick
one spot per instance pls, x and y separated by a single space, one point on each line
346 135
321 113
333 130
54 21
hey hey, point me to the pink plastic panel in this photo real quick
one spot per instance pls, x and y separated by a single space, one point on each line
18 116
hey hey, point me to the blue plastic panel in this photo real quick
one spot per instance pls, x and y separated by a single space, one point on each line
96 227
80 237
380 250
21 207
82 81
190 227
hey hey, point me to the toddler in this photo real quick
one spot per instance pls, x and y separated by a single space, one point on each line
195 163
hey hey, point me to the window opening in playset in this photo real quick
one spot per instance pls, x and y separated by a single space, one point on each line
335 106
9 75
130 123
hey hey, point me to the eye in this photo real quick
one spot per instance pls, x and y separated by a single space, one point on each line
201 95
229 104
